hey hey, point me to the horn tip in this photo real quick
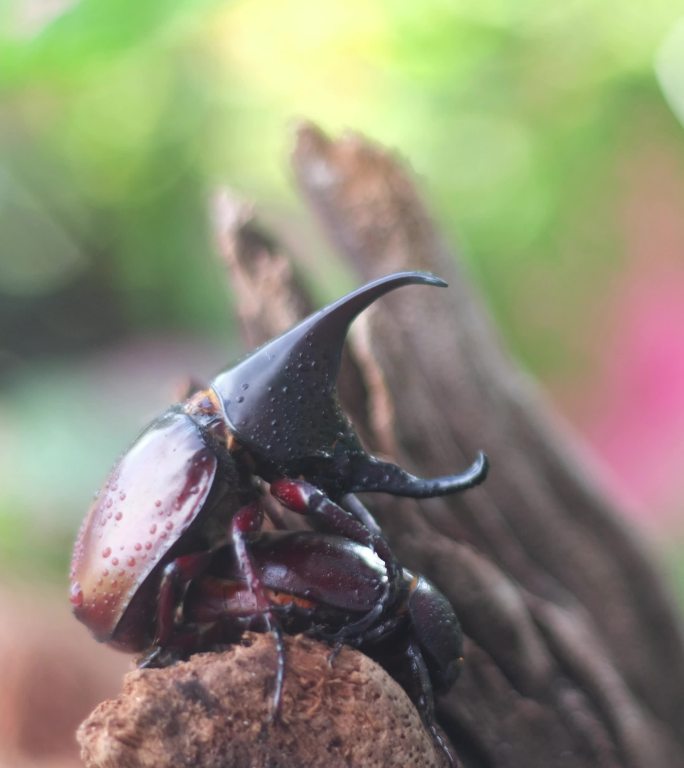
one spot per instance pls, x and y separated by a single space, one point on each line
426 278
482 465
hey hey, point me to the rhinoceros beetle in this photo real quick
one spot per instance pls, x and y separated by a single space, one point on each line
193 482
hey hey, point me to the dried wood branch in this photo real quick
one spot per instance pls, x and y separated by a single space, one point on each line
574 651
574 617
213 711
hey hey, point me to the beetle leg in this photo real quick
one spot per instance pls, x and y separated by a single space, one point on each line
366 473
379 632
156 657
277 633
306 499
246 521
176 576
424 699
361 512
420 679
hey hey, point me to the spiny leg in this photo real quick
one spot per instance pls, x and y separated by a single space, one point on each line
306 499
424 699
176 577
248 520
168 645
374 635
352 503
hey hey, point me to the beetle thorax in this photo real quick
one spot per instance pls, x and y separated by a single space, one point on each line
205 409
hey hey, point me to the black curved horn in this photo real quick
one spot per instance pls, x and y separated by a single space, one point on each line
280 400
371 474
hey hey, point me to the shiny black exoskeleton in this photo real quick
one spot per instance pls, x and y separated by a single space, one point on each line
192 485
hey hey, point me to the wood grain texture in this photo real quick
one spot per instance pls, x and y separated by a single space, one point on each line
575 647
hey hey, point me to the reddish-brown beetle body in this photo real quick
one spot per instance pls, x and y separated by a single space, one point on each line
274 415
148 503
188 492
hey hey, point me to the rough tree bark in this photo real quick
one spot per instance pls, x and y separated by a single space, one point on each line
574 653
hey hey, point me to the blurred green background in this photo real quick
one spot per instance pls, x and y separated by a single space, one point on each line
547 140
